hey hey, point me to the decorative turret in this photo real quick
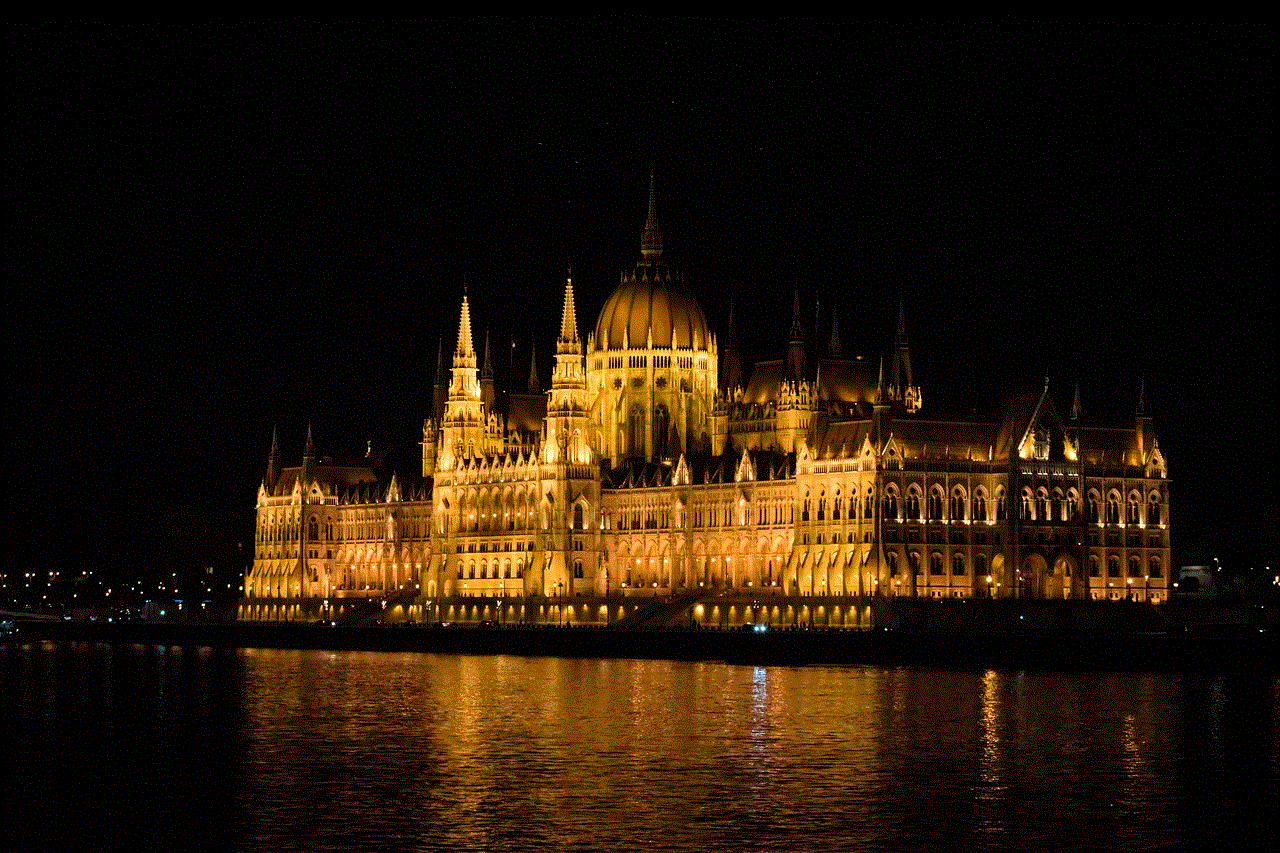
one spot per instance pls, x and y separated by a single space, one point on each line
566 438
429 447
440 389
273 463
651 240
795 345
488 395
464 427
903 388
1142 424
309 458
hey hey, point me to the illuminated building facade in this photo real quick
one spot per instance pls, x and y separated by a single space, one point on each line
653 481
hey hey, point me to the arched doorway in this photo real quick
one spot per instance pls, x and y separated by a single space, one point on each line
1066 574
1032 579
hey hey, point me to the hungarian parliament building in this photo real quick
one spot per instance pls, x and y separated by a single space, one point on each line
658 482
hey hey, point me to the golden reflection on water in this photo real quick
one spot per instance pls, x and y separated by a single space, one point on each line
494 752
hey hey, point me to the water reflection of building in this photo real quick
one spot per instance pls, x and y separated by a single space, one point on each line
656 467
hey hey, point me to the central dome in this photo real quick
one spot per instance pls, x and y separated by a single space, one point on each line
652 299
664 305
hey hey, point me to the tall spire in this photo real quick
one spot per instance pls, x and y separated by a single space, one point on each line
273 461
534 386
651 240
440 360
902 355
1142 396
488 394
833 346
795 347
308 452
568 320
1075 403
464 331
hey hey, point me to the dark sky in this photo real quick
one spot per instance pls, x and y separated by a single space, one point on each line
214 230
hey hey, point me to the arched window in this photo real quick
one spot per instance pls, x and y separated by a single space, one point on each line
1135 567
313 530
935 564
578 522
1153 509
914 558
661 426
957 505
1094 568
1113 566
635 431
935 504
890 505
1002 511
892 557
577 570
804 509
822 506
1073 505
957 564
979 506
1113 508
1093 507
1028 511
1153 567
835 507
1134 512
913 505
868 504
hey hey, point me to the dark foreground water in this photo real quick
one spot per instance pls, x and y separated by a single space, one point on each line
147 748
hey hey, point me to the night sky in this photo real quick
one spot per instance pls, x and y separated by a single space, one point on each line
217 230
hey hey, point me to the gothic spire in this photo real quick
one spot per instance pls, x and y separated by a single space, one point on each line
651 240
1075 403
486 371
568 320
464 331
833 346
534 386
1142 396
308 452
902 354
440 360
273 461
797 333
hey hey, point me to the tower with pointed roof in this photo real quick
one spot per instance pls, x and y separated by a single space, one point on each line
464 426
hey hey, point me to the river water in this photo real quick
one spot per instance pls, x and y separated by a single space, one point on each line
147 748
